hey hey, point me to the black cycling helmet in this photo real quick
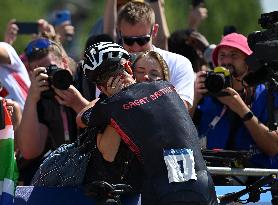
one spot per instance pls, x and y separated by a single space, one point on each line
101 58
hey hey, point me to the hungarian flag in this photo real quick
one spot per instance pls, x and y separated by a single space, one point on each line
8 168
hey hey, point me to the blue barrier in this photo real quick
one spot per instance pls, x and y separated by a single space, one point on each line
29 195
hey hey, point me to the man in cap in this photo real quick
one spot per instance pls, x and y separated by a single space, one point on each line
165 144
49 113
236 121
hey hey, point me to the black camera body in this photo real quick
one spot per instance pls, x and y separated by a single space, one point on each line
59 78
217 80
263 62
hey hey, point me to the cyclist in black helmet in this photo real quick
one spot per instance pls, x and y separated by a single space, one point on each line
125 168
150 118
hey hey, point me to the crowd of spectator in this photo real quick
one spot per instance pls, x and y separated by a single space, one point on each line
46 116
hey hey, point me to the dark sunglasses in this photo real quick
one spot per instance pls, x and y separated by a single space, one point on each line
140 40
38 46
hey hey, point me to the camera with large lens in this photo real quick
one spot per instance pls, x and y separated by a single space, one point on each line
59 78
263 62
216 80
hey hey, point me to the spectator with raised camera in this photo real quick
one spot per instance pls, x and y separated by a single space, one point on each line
49 113
235 118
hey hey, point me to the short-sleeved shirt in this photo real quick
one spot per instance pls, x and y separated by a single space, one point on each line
180 72
14 77
218 136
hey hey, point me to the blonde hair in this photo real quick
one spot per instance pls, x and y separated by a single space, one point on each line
156 56
136 12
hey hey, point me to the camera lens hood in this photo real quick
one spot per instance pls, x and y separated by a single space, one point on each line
62 79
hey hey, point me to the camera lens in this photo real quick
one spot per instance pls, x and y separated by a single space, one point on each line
62 79
215 82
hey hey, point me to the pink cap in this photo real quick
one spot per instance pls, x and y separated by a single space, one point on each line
234 40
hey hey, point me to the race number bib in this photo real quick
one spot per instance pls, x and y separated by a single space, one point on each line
180 164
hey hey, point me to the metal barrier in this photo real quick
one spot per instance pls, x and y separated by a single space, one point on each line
241 171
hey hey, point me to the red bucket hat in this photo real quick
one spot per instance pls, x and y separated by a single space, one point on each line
234 40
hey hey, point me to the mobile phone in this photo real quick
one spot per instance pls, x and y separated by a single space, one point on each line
197 2
27 27
62 16
229 29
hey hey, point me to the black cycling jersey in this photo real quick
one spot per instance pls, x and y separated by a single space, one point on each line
152 120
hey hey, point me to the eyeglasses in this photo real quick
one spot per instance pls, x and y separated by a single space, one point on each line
140 40
39 46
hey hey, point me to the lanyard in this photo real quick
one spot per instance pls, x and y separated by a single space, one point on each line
217 118
65 123
212 124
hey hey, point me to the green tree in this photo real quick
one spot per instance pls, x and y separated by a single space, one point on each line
242 14
21 10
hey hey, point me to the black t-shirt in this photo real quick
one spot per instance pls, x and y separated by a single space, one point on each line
49 114
150 117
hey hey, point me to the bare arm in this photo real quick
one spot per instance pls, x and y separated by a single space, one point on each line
4 56
71 98
15 112
11 32
196 16
108 143
79 115
31 134
266 140
199 91
117 85
161 39
110 18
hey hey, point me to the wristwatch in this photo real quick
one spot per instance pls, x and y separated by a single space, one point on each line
247 116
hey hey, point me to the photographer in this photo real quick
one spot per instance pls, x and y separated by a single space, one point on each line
235 118
49 112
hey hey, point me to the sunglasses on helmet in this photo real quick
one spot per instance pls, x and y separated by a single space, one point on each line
140 40
38 46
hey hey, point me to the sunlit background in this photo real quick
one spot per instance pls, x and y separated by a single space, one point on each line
269 5
242 14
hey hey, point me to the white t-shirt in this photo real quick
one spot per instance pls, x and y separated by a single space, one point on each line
14 77
181 74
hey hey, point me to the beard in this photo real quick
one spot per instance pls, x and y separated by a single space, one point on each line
232 70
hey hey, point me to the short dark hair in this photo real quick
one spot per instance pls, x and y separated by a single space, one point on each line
178 43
